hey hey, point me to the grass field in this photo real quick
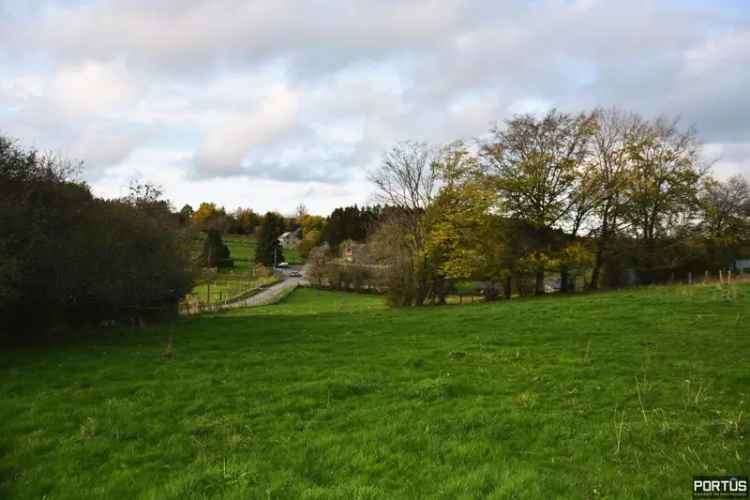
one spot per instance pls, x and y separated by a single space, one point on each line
242 250
328 395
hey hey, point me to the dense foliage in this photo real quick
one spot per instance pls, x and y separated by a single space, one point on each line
269 252
350 223
67 256
600 198
215 252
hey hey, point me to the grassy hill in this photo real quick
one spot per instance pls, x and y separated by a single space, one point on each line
328 395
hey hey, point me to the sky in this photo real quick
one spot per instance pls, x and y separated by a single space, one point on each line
269 104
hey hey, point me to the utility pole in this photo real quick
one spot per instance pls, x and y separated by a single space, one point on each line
274 256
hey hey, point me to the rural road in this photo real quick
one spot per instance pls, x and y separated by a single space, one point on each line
268 295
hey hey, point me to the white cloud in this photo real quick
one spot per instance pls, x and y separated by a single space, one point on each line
238 134
95 87
222 97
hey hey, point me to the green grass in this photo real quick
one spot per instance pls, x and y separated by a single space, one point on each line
226 286
242 250
330 395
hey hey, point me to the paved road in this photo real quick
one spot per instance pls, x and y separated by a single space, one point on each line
268 295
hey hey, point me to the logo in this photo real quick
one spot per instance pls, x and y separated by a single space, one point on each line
720 487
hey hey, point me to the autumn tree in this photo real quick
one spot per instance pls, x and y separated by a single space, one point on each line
536 165
462 241
662 185
208 216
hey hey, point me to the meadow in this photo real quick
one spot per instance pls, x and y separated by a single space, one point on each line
623 394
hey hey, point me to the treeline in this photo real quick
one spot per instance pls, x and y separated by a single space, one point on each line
350 223
602 198
67 256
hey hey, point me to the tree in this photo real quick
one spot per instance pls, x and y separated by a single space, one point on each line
311 240
268 250
609 167
317 261
208 216
69 257
536 165
186 214
662 185
345 223
407 181
725 221
725 208
243 221
461 239
215 253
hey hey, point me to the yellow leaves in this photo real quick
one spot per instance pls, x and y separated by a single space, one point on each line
576 255
204 212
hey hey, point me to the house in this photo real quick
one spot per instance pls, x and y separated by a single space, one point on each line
289 239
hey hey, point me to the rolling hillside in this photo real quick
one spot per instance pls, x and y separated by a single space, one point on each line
328 395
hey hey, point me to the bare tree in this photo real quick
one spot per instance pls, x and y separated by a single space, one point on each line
406 182
408 176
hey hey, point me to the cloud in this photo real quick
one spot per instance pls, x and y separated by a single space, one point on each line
307 95
238 134
95 87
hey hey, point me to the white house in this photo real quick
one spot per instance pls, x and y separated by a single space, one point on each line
742 265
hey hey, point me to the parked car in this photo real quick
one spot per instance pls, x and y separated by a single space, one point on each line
295 274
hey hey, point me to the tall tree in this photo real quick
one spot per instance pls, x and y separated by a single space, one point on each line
407 182
462 237
536 164
268 250
609 165
662 186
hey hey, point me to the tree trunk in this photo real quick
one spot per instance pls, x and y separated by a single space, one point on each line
508 289
594 283
539 282
564 286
